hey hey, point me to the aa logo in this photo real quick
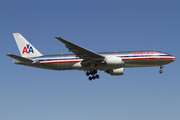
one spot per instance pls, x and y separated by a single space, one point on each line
27 49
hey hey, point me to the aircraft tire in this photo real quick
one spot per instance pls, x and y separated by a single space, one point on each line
90 78
97 76
95 71
87 73
91 72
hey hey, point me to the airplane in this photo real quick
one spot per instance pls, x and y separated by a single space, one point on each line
86 60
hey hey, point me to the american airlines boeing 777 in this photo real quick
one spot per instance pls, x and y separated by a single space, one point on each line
83 59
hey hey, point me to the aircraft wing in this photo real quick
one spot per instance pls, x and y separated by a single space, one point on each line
80 51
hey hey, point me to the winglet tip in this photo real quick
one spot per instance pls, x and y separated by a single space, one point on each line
8 54
57 37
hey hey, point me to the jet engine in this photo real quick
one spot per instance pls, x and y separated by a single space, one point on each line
114 61
119 71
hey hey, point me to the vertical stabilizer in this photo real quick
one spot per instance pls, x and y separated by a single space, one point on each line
25 48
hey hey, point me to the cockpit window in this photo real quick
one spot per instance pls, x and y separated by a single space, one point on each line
169 55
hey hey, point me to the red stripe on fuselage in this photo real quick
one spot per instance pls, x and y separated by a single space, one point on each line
51 62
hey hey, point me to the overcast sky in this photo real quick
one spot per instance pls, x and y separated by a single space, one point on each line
28 93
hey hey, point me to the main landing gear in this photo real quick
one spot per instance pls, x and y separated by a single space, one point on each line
161 67
93 73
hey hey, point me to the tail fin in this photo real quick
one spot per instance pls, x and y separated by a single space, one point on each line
25 48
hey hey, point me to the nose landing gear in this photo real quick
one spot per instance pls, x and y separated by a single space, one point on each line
161 67
93 73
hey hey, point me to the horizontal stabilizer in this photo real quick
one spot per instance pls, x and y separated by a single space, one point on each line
19 58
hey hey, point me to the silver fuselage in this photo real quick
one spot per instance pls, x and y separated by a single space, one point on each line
130 59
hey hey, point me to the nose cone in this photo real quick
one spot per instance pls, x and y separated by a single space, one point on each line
174 58
170 59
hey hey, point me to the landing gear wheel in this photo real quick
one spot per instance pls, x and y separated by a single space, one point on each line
92 74
95 71
160 71
97 76
90 78
87 73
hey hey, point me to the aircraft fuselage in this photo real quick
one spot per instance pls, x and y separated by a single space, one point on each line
130 59
112 63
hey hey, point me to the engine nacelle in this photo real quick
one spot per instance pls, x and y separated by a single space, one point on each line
119 71
114 61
